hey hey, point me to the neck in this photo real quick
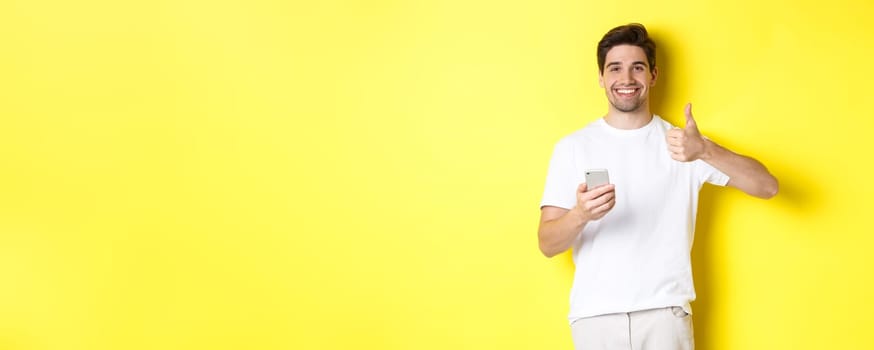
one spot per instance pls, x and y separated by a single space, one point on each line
628 120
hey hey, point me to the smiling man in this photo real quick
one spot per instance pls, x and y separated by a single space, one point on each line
631 239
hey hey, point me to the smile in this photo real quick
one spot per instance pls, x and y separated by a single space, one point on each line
626 91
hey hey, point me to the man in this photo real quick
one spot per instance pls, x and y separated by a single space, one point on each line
632 238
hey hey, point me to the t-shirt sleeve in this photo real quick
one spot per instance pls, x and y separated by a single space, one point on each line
560 189
707 173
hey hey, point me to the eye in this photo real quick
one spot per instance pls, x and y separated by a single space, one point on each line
638 68
614 69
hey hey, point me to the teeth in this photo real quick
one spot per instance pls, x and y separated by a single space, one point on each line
625 91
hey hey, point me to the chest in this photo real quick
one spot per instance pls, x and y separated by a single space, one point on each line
641 168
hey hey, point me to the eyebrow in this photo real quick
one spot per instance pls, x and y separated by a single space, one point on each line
632 63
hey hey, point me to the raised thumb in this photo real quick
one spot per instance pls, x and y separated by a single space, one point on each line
690 120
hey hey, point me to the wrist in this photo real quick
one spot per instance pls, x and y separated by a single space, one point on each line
579 216
707 151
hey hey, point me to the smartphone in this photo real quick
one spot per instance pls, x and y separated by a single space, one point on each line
596 178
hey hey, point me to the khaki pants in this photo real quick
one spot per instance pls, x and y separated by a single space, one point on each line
667 328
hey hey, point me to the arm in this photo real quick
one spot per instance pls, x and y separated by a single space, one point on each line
745 173
559 227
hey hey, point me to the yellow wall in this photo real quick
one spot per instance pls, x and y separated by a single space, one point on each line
366 174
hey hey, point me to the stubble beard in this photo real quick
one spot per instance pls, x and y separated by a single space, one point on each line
627 106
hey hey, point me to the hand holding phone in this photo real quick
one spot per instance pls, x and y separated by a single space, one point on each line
594 203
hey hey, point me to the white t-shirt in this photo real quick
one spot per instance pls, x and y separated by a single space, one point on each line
636 257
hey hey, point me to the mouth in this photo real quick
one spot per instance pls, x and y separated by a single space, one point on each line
626 91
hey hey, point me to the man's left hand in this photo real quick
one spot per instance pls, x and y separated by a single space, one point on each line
687 144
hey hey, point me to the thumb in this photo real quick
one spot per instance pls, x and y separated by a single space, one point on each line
690 120
582 187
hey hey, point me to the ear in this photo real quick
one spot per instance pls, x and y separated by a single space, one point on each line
655 76
601 79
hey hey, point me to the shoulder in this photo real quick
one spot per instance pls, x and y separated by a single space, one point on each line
580 136
661 123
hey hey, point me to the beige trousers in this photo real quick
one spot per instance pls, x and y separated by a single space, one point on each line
667 328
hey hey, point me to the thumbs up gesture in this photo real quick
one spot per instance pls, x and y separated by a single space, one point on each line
686 144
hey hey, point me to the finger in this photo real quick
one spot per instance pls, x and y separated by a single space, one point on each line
601 190
676 138
604 198
596 203
674 132
679 157
676 149
582 187
602 209
609 205
690 120
597 192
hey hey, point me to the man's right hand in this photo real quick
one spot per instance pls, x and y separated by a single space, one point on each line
594 204
559 226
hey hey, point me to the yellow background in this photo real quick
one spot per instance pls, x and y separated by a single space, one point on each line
367 174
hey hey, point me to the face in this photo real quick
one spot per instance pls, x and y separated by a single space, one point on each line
627 78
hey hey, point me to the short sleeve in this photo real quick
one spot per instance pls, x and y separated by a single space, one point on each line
707 173
560 189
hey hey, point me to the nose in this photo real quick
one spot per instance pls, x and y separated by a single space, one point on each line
628 76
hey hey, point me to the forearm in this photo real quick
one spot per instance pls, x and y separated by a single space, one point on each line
557 235
745 173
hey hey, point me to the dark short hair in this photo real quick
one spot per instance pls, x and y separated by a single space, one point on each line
629 34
